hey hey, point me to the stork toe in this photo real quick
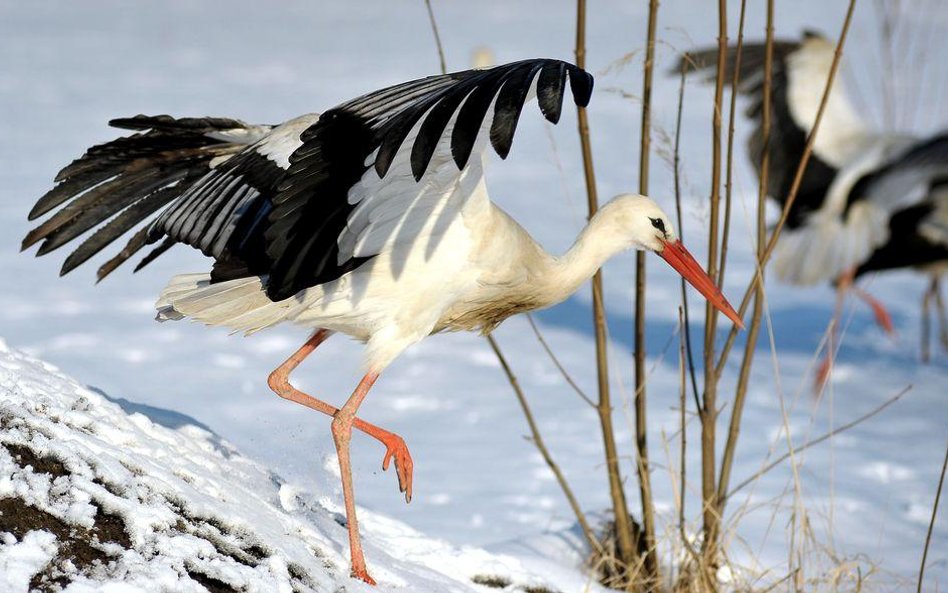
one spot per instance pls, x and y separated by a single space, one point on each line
395 448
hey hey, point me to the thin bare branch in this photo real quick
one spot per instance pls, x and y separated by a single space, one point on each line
818 440
729 162
434 29
708 410
740 393
676 164
537 439
556 362
623 522
515 384
652 568
931 524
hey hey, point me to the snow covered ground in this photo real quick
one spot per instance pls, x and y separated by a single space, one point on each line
66 68
98 491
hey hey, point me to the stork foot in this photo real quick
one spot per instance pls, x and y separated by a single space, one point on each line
395 448
363 575
883 319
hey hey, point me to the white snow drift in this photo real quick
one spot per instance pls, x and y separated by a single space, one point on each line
93 492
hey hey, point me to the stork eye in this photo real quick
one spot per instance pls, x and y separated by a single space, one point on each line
657 223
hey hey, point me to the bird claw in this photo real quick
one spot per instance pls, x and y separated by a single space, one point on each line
397 449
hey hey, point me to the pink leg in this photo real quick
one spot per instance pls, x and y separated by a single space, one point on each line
883 319
844 284
826 366
342 434
395 446
927 321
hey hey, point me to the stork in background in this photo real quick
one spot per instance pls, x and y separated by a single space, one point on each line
868 200
371 220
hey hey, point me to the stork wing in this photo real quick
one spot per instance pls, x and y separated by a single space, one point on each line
379 168
934 225
799 75
308 200
907 178
225 213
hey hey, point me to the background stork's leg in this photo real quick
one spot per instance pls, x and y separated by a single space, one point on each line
843 284
395 447
883 319
927 320
342 435
940 311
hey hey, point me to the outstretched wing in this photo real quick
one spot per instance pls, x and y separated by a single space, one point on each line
799 75
125 184
379 168
311 199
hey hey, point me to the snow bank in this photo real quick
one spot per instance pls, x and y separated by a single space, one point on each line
93 492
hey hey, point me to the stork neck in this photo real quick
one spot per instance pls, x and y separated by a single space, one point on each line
597 242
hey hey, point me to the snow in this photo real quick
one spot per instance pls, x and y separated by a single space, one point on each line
69 67
191 506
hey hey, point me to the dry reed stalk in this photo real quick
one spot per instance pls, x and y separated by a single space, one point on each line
740 393
676 173
434 29
794 189
708 411
623 522
652 568
686 358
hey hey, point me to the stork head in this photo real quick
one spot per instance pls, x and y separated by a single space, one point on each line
646 226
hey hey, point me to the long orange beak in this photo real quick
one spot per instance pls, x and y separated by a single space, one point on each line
684 263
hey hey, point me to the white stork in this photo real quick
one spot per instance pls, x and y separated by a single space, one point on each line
371 220
868 200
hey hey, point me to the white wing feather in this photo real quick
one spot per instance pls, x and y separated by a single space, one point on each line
842 129
396 211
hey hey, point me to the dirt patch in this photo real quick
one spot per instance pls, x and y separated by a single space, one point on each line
210 583
76 545
26 457
110 528
491 580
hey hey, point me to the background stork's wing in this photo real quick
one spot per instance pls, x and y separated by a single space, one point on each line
123 184
877 205
800 71
907 178
934 225
376 168
918 234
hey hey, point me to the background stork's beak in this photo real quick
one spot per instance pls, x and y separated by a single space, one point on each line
684 263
